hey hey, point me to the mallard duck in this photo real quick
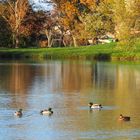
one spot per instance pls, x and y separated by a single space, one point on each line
46 111
18 113
124 118
94 106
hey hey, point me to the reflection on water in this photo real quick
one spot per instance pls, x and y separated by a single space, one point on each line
68 87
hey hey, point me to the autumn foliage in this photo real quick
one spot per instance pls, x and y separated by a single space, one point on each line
69 22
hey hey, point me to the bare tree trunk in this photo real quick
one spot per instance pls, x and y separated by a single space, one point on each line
61 44
50 41
16 42
15 39
74 41
49 37
64 43
14 14
17 24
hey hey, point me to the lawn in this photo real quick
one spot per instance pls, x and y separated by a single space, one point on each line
97 52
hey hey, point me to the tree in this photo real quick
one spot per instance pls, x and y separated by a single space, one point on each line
135 10
33 25
68 18
50 25
5 33
126 16
14 12
100 20
69 14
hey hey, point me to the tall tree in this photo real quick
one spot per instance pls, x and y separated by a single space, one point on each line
5 34
126 15
70 13
33 25
135 10
49 26
100 20
14 12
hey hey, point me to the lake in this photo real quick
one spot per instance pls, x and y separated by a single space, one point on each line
67 87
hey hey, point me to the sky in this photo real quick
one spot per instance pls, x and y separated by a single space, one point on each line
40 5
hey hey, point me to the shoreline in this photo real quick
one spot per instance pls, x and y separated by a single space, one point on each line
105 52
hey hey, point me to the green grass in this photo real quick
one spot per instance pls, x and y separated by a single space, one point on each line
97 52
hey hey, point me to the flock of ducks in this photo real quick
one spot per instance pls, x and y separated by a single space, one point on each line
99 106
42 112
91 106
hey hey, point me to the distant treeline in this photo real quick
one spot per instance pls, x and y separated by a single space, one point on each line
69 23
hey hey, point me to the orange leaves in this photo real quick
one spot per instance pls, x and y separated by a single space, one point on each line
67 14
68 9
89 3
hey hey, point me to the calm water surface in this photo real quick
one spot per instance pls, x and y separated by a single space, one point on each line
68 87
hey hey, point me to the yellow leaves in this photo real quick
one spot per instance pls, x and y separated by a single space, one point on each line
2 8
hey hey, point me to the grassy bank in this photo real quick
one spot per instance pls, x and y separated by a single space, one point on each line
97 52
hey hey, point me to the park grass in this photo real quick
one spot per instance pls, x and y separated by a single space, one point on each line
96 52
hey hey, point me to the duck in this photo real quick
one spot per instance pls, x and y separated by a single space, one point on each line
124 118
46 111
18 113
95 106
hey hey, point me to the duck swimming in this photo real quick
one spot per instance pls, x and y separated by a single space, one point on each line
46 111
124 118
18 113
95 106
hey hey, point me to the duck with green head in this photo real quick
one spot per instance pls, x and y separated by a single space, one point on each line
124 118
18 113
94 106
46 111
